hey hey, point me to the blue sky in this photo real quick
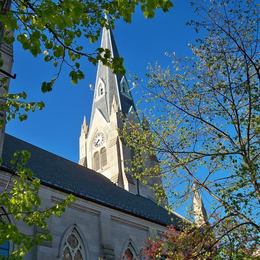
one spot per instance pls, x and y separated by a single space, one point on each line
57 127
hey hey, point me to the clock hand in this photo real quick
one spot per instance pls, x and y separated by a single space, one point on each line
97 141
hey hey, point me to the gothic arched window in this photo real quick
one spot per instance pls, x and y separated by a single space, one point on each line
73 248
101 88
96 163
129 253
5 246
103 157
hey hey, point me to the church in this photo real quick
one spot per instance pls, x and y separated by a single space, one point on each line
113 214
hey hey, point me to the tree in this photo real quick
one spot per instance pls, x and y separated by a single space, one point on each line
178 245
60 30
205 125
186 244
20 201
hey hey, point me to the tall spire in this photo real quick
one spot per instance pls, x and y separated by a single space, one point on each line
199 211
102 149
108 85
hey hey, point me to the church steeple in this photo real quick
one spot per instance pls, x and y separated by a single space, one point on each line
101 147
110 86
199 211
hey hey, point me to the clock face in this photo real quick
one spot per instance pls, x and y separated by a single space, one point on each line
99 139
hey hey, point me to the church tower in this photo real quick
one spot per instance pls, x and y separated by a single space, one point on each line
101 148
199 211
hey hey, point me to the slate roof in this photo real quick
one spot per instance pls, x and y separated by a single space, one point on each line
70 177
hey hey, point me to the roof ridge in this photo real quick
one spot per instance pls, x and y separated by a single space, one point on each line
56 155
67 176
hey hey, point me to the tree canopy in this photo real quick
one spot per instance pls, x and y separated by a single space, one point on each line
20 202
204 127
63 32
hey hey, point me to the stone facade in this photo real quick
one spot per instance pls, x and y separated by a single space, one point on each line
104 233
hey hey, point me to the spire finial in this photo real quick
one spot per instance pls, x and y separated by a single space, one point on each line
105 16
84 127
200 214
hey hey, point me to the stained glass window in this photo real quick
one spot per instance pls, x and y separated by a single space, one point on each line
129 253
73 248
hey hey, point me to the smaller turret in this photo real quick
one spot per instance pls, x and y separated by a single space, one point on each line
199 211
83 144
84 127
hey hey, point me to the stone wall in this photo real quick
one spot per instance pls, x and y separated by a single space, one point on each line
105 233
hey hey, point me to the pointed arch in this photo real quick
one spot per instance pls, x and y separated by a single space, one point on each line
96 162
72 245
103 156
129 251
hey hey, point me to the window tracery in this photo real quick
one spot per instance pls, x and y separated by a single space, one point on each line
73 248
129 253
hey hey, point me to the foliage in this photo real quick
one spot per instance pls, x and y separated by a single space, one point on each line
21 203
57 29
15 105
190 243
62 33
173 244
204 125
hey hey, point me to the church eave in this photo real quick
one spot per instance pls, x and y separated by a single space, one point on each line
99 202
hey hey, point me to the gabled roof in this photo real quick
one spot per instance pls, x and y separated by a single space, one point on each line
62 174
